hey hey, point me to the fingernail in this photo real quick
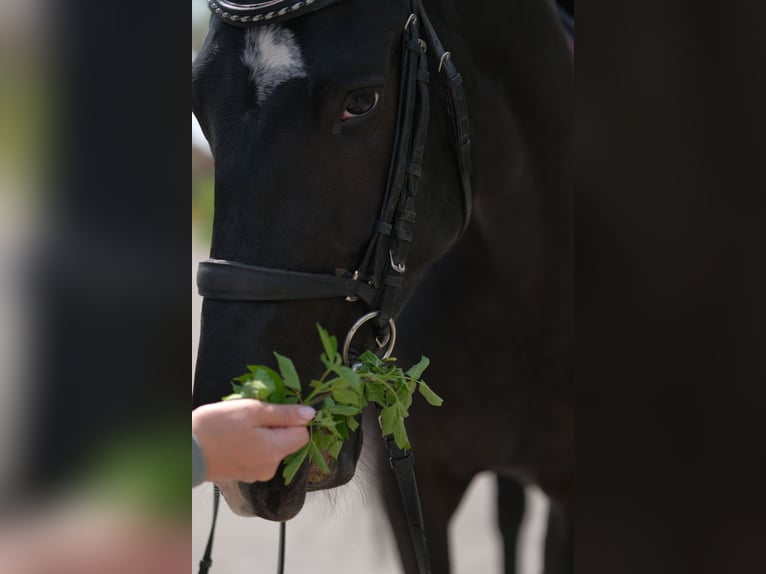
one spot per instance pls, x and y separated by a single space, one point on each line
306 413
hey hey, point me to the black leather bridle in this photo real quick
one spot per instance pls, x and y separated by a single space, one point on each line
383 267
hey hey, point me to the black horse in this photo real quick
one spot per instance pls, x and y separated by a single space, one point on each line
301 113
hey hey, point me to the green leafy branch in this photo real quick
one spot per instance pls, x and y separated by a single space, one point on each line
339 396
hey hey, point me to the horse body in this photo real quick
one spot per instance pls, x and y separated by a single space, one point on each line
496 313
298 188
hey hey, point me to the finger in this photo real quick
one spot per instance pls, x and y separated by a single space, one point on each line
288 440
268 415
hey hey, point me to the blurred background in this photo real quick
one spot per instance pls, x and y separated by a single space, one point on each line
23 107
92 474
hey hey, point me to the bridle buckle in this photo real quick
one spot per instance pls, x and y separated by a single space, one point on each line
352 298
398 267
445 56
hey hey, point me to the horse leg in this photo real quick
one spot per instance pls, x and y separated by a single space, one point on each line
559 541
511 503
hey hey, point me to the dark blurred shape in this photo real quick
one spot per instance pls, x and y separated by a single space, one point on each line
670 287
109 273
99 259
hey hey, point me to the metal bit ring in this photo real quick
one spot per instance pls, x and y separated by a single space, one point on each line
358 325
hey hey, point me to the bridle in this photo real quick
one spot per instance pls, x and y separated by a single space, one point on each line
384 265
382 270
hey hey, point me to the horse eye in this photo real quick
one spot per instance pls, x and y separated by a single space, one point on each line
360 103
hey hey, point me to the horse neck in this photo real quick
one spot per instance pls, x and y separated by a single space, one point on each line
519 78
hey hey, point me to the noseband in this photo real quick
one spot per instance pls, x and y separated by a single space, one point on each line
384 265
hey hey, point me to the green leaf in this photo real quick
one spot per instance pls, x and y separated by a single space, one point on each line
370 359
258 389
339 383
325 421
400 436
261 383
335 449
340 400
323 439
342 427
321 388
289 374
318 458
416 371
344 410
233 397
279 396
293 464
404 396
432 398
270 376
329 343
346 397
388 418
375 393
352 377
324 418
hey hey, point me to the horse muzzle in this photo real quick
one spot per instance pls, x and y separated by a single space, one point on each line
273 500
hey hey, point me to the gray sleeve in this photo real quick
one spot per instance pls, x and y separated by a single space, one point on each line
199 466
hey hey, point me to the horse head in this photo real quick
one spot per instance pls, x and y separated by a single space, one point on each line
317 114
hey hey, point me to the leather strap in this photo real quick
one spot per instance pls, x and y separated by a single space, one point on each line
457 108
403 465
207 559
231 281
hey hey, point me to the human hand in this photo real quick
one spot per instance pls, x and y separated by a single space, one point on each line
247 439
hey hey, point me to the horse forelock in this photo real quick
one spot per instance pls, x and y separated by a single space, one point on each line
273 56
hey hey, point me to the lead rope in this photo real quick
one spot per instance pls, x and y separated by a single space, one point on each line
207 559
282 537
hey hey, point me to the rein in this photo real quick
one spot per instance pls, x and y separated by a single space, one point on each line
383 267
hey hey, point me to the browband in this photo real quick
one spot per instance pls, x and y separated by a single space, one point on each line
243 13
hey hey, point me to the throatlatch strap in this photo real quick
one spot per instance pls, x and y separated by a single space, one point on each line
207 559
458 111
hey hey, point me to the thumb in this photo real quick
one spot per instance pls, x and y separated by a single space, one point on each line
270 415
